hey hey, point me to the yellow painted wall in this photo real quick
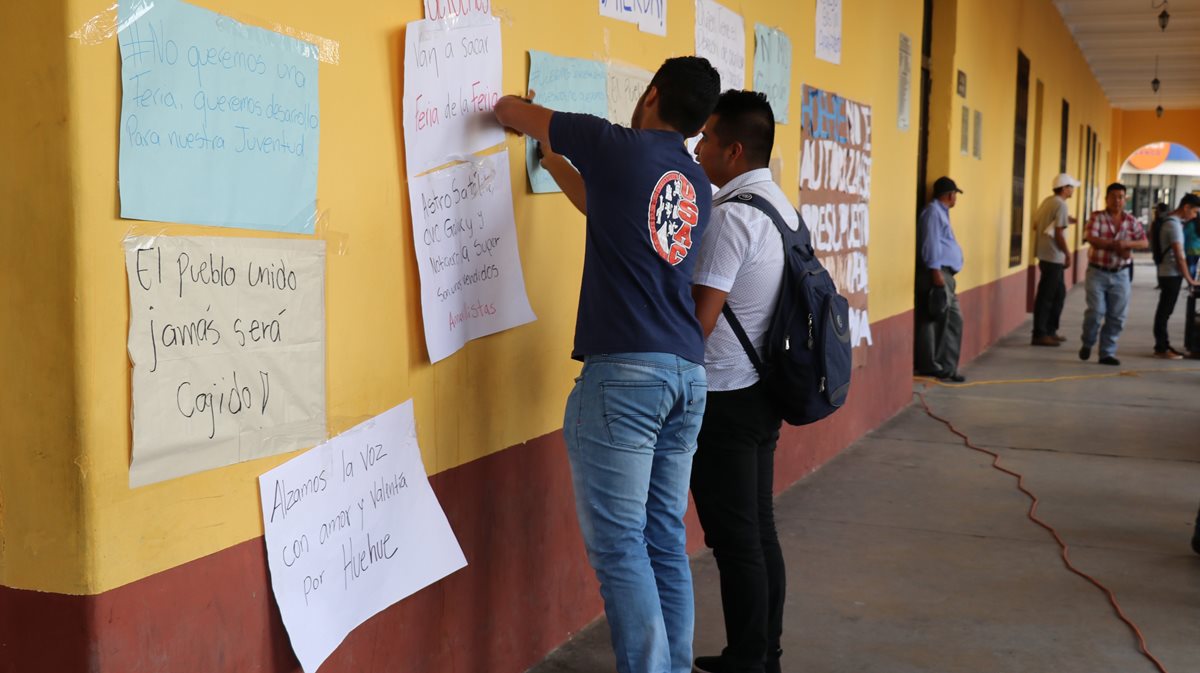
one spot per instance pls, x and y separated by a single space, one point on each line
498 391
988 37
41 504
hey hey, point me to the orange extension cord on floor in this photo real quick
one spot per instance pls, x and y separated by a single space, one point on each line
1033 498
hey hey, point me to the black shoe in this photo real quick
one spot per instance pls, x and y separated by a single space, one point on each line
929 375
1085 352
952 378
1110 360
710 664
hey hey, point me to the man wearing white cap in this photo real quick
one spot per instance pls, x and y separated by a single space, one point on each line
1054 257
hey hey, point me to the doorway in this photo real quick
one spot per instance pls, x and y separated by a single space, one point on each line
1020 133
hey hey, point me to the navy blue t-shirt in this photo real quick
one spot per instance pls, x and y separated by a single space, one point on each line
647 204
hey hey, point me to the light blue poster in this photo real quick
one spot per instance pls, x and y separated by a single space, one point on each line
563 85
773 68
219 120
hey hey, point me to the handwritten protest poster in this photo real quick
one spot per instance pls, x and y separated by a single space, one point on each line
352 527
466 242
829 30
219 120
564 85
458 12
721 38
649 15
835 193
227 339
773 68
451 84
626 84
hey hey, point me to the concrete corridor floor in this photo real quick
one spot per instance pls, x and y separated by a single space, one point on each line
908 553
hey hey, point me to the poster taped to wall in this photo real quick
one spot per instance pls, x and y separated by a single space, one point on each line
220 123
626 84
451 83
829 30
352 527
835 196
227 340
565 85
466 243
649 15
773 69
721 38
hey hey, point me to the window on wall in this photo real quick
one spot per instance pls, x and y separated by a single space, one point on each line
977 146
1066 129
965 140
1020 130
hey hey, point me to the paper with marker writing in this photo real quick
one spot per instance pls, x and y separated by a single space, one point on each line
835 194
227 340
452 81
773 68
649 15
564 85
721 38
220 123
828 27
626 84
466 247
352 527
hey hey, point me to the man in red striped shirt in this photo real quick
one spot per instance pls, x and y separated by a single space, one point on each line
1113 235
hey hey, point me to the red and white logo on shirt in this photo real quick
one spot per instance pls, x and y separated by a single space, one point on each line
673 213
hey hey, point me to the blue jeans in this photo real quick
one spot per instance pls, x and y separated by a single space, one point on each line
1107 298
630 427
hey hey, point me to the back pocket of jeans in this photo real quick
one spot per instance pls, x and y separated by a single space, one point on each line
693 413
633 412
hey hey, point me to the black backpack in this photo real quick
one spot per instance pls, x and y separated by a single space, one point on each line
1156 250
806 359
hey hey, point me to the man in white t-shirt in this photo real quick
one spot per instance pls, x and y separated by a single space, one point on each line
740 264
1054 257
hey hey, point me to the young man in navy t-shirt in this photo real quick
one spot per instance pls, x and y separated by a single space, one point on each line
632 419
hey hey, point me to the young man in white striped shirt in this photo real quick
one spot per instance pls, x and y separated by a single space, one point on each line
740 264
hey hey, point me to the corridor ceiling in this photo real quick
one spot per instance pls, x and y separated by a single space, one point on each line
1120 38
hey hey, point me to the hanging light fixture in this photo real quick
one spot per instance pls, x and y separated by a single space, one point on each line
1158 111
1164 17
1154 83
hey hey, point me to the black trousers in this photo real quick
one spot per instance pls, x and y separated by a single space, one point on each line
1168 294
732 477
1048 304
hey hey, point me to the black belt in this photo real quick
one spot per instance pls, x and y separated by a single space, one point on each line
1105 268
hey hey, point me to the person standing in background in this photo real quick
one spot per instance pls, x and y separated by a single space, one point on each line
1172 271
1054 257
1113 235
939 319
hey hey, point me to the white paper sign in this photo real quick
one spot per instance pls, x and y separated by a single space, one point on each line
466 243
829 30
721 38
451 83
458 12
649 15
227 339
352 527
626 84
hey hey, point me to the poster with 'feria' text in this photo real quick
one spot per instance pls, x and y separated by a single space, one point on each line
220 122
835 196
227 340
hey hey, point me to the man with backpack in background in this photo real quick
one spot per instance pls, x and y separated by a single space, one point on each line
778 348
1054 257
1166 241
740 264
632 418
939 319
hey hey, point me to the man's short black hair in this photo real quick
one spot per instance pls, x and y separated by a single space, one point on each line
746 117
1115 187
1189 200
688 87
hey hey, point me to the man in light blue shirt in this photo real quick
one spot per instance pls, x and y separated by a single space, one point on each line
939 320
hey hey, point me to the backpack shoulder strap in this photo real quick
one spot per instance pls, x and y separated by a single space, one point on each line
763 205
